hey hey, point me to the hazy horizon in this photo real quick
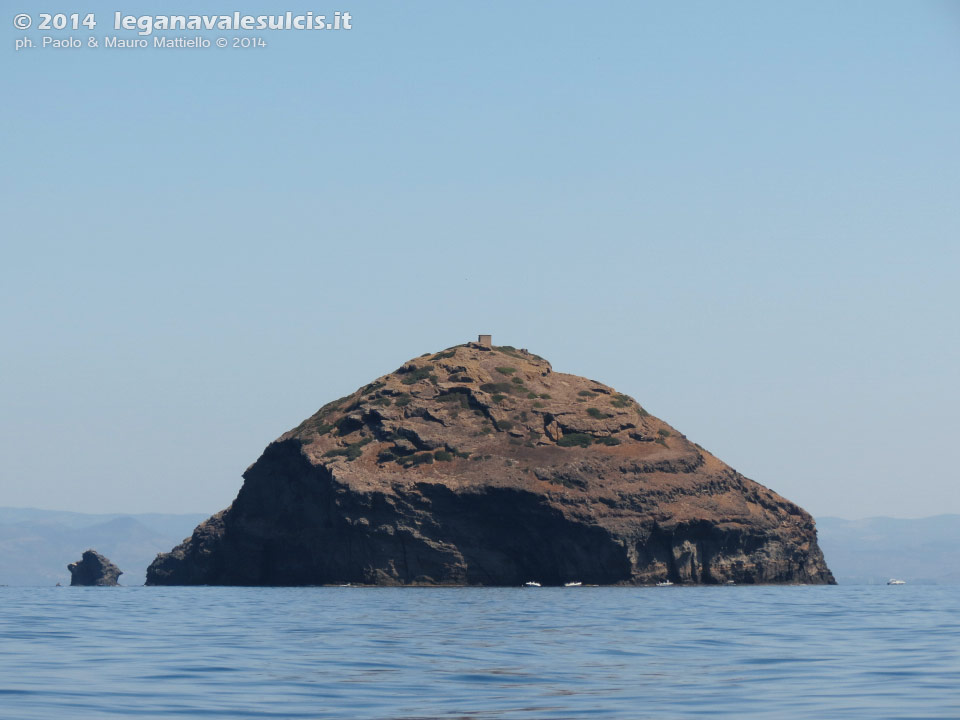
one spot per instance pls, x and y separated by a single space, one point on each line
36 545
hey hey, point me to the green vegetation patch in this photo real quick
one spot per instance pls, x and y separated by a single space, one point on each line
501 387
573 439
402 399
538 404
417 374
444 355
347 425
505 388
443 456
663 433
544 396
517 380
586 393
414 460
608 441
621 401
372 387
351 451
504 424
506 370
597 414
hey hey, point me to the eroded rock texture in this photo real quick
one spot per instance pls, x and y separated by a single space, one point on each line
482 466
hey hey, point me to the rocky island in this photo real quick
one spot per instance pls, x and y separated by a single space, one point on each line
94 569
480 465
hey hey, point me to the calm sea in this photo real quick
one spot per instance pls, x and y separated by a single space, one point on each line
737 652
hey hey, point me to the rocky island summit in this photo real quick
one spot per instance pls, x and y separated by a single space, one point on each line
480 465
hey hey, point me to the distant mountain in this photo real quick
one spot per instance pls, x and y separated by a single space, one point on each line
873 550
37 545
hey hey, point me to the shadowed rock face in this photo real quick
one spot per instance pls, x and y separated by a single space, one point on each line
482 466
94 569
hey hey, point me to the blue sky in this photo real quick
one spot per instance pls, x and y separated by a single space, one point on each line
745 215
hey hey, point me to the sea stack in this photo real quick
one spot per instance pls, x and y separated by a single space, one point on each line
480 465
94 569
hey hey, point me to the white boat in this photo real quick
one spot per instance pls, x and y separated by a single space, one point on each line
891 581
531 584
665 583
573 584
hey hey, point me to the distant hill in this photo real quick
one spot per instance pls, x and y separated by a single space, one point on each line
37 545
873 550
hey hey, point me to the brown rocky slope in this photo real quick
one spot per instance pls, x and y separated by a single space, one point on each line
481 466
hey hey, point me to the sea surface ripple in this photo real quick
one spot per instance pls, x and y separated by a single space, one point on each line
737 652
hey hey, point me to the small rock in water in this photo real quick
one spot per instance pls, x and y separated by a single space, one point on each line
94 569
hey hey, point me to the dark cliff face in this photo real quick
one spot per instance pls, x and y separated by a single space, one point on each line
482 466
